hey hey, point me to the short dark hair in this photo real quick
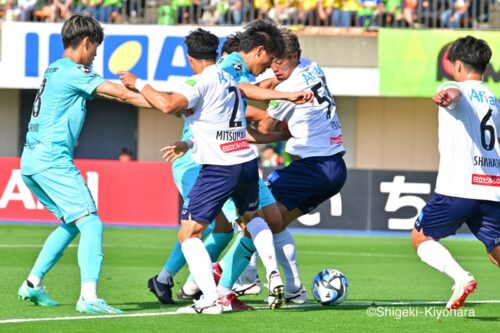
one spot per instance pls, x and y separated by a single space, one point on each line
232 43
474 53
262 33
292 44
77 27
202 44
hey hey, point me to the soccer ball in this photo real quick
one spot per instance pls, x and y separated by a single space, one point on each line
330 287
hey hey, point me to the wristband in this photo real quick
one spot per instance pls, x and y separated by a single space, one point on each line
140 84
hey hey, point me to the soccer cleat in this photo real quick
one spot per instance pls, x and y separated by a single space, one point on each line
217 272
230 303
181 294
298 297
461 290
276 291
241 288
38 296
202 307
96 306
162 291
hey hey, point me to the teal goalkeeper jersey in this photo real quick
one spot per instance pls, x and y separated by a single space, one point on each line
234 65
57 116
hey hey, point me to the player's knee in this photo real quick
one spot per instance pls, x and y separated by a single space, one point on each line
494 256
417 238
190 229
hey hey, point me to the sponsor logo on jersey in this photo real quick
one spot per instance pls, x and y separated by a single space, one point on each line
274 103
336 140
233 146
191 83
485 180
237 67
85 69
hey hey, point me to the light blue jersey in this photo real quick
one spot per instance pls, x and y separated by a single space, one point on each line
58 115
233 64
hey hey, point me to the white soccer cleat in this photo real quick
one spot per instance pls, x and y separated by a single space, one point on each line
202 307
241 288
298 297
276 291
461 290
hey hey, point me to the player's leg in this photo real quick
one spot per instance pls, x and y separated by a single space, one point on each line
211 190
185 172
246 199
249 282
441 217
494 256
32 289
299 188
215 243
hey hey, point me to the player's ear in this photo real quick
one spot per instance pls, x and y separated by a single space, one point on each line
86 42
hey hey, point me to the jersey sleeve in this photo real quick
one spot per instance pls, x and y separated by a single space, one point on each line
234 68
451 85
84 79
192 89
280 109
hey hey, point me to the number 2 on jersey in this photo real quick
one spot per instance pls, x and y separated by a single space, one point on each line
232 122
37 104
490 129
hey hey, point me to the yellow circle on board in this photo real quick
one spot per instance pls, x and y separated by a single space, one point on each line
125 57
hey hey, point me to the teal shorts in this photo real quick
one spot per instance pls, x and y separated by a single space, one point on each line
185 172
63 191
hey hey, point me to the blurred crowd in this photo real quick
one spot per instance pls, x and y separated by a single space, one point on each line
336 13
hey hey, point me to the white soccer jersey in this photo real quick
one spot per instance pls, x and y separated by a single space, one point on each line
469 164
315 128
218 120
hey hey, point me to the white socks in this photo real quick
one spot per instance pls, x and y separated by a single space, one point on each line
286 253
37 282
263 240
200 267
89 290
437 256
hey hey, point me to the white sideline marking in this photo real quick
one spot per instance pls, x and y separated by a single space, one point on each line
29 246
382 255
309 305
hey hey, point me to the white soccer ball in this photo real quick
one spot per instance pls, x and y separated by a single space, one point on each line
330 287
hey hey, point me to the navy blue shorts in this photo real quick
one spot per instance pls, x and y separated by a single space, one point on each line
216 184
307 182
444 215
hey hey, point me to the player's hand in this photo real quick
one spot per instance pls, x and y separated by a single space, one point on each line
173 152
128 79
301 97
442 98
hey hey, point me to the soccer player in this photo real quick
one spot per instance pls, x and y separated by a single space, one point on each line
229 166
260 39
318 171
467 186
47 164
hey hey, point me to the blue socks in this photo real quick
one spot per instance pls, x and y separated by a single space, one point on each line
236 260
176 259
53 248
90 248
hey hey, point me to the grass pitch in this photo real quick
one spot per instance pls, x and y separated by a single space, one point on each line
390 289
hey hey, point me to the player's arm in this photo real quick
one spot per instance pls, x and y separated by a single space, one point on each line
447 98
267 124
116 92
255 114
270 83
257 93
254 136
166 103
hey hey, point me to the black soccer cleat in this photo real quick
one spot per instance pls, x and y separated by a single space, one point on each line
162 291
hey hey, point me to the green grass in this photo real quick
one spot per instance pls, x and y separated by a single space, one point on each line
380 270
